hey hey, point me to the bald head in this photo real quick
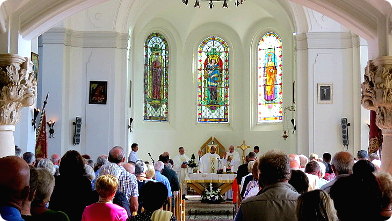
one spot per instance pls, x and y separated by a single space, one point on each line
55 158
129 167
14 181
231 149
116 155
342 163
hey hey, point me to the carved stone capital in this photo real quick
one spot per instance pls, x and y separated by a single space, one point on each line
18 87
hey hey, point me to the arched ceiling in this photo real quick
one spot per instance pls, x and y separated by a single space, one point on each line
37 16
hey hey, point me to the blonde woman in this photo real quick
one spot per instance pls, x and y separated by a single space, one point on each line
104 209
316 205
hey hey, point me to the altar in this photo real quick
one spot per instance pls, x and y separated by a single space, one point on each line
195 181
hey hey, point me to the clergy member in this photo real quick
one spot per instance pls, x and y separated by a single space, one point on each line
209 162
180 166
232 159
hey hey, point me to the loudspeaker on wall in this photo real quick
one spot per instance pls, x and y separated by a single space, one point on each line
78 128
345 125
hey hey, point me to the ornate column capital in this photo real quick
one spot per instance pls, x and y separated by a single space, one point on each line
18 87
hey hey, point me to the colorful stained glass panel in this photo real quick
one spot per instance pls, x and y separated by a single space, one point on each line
213 81
269 79
156 64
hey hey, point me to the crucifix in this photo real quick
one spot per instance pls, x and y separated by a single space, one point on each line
243 147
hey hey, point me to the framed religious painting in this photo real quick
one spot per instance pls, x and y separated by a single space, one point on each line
35 60
325 93
98 92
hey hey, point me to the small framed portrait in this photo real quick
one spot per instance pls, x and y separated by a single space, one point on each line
98 92
35 60
324 93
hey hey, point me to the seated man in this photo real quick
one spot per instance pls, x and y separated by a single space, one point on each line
14 187
278 199
209 162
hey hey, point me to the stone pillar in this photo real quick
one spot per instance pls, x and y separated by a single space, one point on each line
377 96
17 90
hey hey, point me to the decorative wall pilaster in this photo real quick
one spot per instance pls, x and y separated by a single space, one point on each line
377 96
17 90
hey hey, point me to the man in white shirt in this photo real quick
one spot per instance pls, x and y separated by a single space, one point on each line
133 156
180 166
209 162
232 159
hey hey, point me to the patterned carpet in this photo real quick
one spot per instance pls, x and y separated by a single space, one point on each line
197 211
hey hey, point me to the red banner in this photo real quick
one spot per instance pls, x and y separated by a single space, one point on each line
41 145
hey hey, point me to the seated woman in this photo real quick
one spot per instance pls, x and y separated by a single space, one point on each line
150 173
72 191
44 189
154 197
299 180
252 187
385 181
104 209
316 205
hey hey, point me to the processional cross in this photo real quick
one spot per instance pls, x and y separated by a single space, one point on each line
243 147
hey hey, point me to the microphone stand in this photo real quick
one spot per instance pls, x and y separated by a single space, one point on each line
151 158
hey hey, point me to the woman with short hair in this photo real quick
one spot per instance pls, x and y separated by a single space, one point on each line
104 209
45 185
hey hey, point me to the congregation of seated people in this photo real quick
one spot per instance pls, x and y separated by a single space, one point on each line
272 186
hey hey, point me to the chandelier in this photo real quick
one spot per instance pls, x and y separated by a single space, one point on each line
211 4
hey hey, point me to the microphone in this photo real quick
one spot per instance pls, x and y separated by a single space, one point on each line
151 158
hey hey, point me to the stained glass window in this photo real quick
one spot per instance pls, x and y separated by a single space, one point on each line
156 64
269 79
213 81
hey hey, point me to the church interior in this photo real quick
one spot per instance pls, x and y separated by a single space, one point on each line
301 76
79 42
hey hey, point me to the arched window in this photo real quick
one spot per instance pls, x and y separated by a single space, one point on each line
156 64
213 81
269 79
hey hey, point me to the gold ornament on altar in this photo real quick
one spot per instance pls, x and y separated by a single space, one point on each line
243 147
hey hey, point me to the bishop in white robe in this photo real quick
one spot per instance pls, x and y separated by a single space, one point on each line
210 162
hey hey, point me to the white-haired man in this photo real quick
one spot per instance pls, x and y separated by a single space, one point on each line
158 166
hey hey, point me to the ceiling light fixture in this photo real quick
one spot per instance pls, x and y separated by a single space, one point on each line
211 3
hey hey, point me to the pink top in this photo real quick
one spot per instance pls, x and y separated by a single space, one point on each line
104 212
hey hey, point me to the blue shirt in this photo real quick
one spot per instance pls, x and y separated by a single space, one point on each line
161 178
10 213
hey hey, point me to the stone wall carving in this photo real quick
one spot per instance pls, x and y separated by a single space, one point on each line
377 90
18 87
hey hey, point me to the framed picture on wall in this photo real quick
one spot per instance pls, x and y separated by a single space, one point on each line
35 60
324 93
98 92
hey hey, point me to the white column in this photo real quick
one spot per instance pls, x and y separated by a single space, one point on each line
377 96
17 90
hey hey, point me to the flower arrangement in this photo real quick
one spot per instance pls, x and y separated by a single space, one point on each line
211 195
192 162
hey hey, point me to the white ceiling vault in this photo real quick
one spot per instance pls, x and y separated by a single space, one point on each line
364 17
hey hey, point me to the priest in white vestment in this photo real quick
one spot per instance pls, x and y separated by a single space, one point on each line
180 166
232 159
209 162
